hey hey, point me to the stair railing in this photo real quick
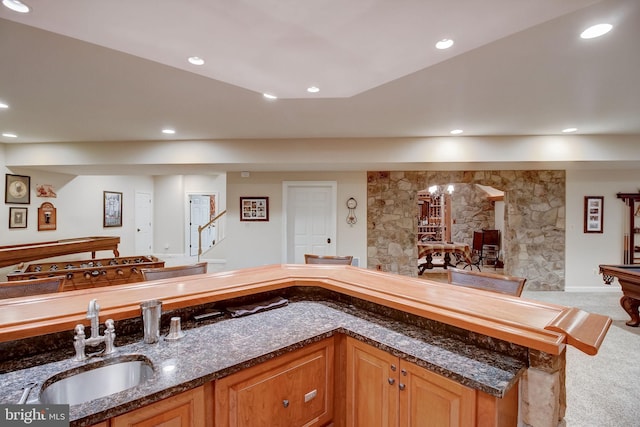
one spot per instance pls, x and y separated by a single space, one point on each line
219 227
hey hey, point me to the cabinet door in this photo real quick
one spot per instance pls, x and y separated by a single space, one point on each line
295 389
372 386
184 410
431 400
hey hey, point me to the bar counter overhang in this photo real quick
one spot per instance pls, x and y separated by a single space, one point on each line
536 325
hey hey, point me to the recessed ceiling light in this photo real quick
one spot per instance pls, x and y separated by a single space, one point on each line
196 60
9 135
313 89
269 96
16 6
456 132
569 130
3 105
444 44
596 31
169 131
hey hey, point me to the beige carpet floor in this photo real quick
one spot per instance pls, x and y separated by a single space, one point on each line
602 390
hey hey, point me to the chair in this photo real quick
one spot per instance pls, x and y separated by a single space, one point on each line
510 285
22 288
490 247
327 259
476 250
176 271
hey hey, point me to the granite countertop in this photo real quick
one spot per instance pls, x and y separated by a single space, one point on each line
232 344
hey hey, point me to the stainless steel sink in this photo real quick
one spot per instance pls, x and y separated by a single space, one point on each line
96 380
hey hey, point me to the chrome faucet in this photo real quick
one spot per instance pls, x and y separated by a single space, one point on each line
79 340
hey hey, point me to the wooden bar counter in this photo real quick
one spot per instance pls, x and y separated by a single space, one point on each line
541 326
543 330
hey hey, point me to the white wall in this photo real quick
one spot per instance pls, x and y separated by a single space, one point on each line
79 213
79 210
260 243
171 208
585 251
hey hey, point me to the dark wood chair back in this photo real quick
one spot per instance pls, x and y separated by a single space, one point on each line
327 259
477 241
29 287
510 285
491 237
175 271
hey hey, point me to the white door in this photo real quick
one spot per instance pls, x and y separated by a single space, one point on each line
144 235
199 214
310 219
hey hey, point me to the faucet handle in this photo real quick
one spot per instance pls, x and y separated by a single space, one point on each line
78 343
109 336
79 330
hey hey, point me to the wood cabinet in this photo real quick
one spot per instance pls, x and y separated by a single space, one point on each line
385 391
183 410
295 389
631 242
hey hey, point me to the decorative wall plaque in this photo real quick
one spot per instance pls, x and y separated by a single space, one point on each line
46 217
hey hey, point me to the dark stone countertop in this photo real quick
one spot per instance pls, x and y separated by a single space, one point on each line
232 344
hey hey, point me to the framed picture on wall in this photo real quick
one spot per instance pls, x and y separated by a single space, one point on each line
112 209
593 214
18 217
254 209
17 189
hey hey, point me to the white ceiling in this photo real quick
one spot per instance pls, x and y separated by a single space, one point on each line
78 70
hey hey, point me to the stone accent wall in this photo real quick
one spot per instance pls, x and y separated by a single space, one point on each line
471 211
534 229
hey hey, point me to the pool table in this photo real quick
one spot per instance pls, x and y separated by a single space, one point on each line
629 278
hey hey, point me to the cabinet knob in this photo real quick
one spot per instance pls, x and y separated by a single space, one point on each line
285 403
402 386
391 380
403 372
393 368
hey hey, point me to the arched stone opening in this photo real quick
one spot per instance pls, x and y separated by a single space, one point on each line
534 220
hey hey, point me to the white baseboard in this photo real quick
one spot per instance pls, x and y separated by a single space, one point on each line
603 288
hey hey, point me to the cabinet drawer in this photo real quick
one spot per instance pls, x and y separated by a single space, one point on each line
183 410
292 390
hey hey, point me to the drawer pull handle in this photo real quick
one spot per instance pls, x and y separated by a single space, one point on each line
311 395
285 403
391 381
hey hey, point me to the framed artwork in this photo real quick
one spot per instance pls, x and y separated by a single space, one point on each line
593 214
18 217
254 209
112 209
45 190
17 189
